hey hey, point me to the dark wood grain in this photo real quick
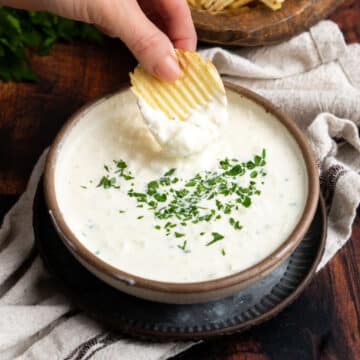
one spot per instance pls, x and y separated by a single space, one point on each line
260 25
31 114
347 17
322 324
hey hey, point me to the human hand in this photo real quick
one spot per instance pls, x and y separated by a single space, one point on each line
150 28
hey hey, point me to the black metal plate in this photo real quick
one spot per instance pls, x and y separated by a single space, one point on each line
157 321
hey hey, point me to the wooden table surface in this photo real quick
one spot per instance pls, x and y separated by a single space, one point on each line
324 323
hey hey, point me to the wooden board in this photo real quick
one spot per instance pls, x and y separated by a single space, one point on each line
260 25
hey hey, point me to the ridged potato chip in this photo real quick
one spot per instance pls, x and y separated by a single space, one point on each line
199 84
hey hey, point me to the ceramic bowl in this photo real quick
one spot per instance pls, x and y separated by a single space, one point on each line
182 292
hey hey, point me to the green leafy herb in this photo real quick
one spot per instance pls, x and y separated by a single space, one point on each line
178 235
108 183
120 169
208 196
236 170
170 172
216 237
140 217
183 246
235 223
120 164
160 197
223 252
21 30
246 202
84 187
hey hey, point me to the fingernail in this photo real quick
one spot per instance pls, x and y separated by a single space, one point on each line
168 69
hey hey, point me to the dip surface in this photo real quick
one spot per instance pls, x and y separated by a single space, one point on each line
109 158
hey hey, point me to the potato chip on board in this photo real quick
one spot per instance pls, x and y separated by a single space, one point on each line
199 84
239 3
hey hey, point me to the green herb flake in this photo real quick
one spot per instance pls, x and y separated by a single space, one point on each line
236 170
170 172
178 235
160 197
250 165
183 204
216 237
106 182
183 246
247 202
120 164
223 253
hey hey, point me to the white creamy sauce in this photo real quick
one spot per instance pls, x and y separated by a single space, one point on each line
183 138
109 223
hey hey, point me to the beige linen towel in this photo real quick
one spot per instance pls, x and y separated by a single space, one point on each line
315 77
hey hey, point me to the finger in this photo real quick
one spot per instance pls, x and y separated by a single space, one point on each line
176 17
150 46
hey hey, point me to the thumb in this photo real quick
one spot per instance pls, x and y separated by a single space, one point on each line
152 48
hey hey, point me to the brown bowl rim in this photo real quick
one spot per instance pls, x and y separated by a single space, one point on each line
245 276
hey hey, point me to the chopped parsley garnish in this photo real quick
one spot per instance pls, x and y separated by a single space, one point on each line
209 196
170 172
178 235
235 223
120 169
82 186
183 246
223 253
106 182
160 197
216 237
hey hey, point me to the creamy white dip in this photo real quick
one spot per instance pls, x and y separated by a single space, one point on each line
183 138
111 224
